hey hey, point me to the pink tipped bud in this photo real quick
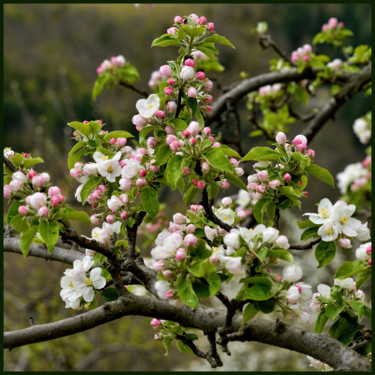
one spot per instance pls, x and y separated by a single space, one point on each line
226 201
310 152
110 219
167 274
208 85
54 190
234 162
202 20
200 75
187 73
260 189
205 167
193 128
274 184
200 185
302 147
160 114
121 142
171 107
189 62
193 141
23 210
190 240
168 90
169 294
211 26
139 120
31 174
368 250
124 198
170 138
305 58
186 134
124 215
158 265
332 22
186 171
214 259
216 144
175 145
190 228
195 182
345 243
225 185
112 141
306 194
180 254
287 177
141 182
324 27
280 138
178 19
262 176
55 201
142 173
155 322
341 25
207 130
171 82
43 211
192 92
95 220
165 71
369 262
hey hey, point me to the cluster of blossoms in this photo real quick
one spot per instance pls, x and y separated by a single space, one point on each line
364 252
192 20
336 223
77 286
332 24
269 89
347 286
335 64
362 128
301 54
354 176
268 177
111 65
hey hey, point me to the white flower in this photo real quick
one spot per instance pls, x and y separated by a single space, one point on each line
328 231
87 284
324 290
364 251
147 107
162 287
324 212
226 215
292 273
351 173
362 129
83 265
19 175
211 233
360 295
243 198
283 242
232 264
347 283
363 233
232 239
270 235
114 203
160 252
173 242
342 216
108 168
38 200
292 295
131 168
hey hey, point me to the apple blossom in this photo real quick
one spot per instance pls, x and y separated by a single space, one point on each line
148 107
292 273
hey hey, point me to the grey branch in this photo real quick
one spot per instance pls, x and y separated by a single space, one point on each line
61 255
319 346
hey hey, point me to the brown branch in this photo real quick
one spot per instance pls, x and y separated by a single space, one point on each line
266 41
145 94
10 165
319 346
354 85
305 247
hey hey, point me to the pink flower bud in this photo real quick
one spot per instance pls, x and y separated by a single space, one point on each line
142 172
302 147
23 210
193 141
124 198
175 145
214 259
205 167
186 134
171 82
208 98
324 27
75 173
158 265
54 190
167 274
168 90
194 182
139 120
287 177
345 243
262 176
140 182
341 25
192 92
226 201
225 184
180 254
110 219
95 220
31 174
200 75
160 114
208 85
369 262
112 141
207 130
155 322
169 294
332 22
211 138
55 201
305 58
187 73
234 162
178 19
38 181
216 145
170 138
240 172
43 211
189 62
151 142
310 152
124 215
260 189
191 228
171 106
121 142
211 26
193 127
165 71
298 139
274 184
368 250
186 171
16 185
280 138
179 218
202 20
194 18
306 194
200 185
190 240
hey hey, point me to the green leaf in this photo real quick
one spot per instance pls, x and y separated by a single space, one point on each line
191 192
199 117
320 322
179 124
281 254
173 170
100 83
88 187
262 153
192 103
321 173
200 251
167 343
305 161
219 39
363 276
128 74
20 223
81 127
70 214
186 292
218 160
343 330
109 294
76 153
266 307
305 224
325 252
149 199
260 290
201 268
17 159
234 179
162 155
26 239
212 190
226 150
183 348
165 40
214 282
310 232
348 269
332 311
13 211
32 161
358 307
249 312
118 134
259 209
50 232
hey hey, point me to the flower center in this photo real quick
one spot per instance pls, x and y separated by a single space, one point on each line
104 157
344 220
324 213
330 231
150 106
71 286
110 169
96 235
88 282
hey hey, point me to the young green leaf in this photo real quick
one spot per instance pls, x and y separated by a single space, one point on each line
32 161
262 153
173 170
219 39
88 187
50 233
186 292
325 252
218 160
249 312
75 154
149 199
321 173
26 239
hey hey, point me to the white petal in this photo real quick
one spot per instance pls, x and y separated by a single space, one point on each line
88 294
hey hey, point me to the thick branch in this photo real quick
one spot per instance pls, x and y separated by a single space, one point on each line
61 255
319 346
354 85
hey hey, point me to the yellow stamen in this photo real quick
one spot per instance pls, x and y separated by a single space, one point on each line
88 282
330 231
110 169
344 220
150 106
104 157
324 213
71 286
96 235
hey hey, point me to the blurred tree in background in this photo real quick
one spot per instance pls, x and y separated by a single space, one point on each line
51 53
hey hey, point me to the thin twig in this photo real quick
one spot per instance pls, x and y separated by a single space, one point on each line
145 94
305 247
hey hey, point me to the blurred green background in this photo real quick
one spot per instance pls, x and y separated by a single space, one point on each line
51 52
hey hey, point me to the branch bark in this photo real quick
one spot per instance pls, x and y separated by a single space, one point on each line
319 346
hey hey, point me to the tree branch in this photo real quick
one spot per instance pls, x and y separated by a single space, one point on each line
266 41
354 85
319 346
145 94
10 165
307 246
